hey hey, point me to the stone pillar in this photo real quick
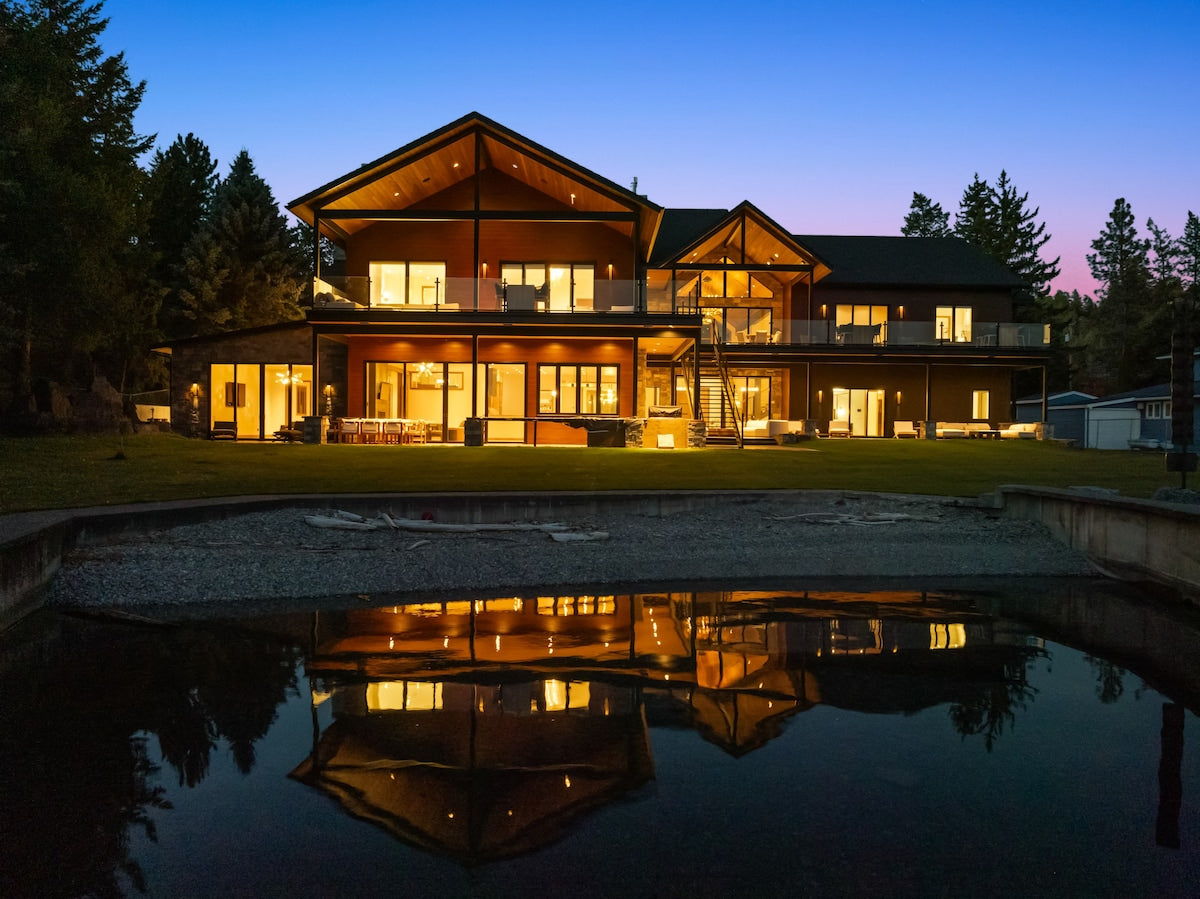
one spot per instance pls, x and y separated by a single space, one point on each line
697 433
634 429
316 429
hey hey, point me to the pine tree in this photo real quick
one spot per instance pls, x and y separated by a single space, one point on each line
179 192
926 219
973 222
243 267
997 220
68 166
1018 237
1128 330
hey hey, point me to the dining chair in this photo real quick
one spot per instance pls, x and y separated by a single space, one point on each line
392 431
370 431
348 431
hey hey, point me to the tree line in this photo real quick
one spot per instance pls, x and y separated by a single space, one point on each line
1149 286
107 248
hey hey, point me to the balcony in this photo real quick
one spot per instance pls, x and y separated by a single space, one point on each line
801 333
457 295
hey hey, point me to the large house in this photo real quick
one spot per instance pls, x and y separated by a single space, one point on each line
488 288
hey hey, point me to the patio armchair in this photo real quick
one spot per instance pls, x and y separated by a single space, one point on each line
839 428
904 429
223 430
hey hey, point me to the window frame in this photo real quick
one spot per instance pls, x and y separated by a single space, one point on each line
578 400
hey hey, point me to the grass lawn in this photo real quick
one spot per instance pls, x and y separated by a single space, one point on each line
59 472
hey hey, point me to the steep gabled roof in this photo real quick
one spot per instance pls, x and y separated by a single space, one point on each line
409 176
926 261
681 228
745 234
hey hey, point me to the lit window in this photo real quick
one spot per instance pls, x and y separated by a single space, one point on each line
981 404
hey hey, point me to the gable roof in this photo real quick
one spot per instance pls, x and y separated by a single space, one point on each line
680 228
928 261
745 235
409 176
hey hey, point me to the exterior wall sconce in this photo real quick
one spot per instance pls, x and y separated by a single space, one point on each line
901 311
328 391
610 271
484 269
194 393
822 310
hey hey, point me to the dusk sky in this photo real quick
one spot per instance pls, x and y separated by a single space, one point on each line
825 116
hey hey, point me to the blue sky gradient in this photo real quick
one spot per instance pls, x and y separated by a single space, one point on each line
827 116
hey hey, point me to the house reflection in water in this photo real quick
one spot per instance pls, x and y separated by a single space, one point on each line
483 729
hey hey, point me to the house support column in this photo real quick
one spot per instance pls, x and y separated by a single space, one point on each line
316 251
637 397
696 382
475 373
808 390
476 269
928 395
1045 398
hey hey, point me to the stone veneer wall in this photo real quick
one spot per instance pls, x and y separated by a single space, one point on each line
190 361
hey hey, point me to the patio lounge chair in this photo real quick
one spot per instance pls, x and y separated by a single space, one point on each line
839 428
223 430
904 429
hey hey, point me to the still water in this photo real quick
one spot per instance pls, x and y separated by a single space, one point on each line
1033 739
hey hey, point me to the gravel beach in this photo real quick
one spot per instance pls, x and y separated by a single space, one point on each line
270 560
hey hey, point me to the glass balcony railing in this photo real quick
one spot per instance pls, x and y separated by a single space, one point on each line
458 295
495 295
800 332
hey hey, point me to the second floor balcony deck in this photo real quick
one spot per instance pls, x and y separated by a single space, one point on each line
757 329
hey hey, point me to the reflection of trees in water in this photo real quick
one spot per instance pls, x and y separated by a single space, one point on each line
996 706
77 721
1109 679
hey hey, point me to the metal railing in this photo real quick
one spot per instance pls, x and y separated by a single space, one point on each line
496 295
801 332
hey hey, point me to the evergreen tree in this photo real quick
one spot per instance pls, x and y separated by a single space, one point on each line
179 192
926 219
1189 274
242 268
998 221
68 166
1128 332
1068 316
1018 238
973 222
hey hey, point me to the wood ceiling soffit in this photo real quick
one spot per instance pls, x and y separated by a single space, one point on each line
434 159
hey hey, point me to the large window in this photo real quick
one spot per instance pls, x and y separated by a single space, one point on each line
741 324
981 404
723 284
502 385
577 389
752 395
561 286
953 323
407 283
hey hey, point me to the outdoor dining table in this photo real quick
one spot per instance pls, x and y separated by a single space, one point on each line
383 430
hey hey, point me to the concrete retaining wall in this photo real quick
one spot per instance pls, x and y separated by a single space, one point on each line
32 544
1146 539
